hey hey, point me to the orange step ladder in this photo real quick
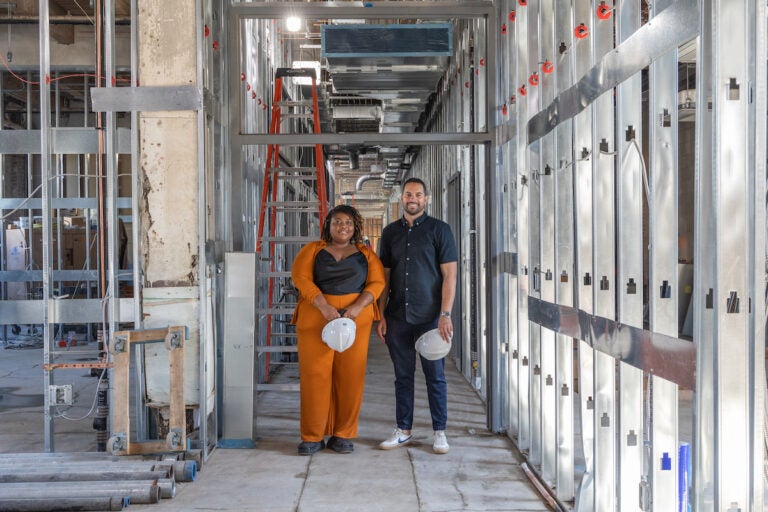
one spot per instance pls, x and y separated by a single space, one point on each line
294 204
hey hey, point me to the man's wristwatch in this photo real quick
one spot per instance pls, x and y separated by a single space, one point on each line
445 314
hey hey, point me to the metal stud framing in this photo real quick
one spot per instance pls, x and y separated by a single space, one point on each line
588 132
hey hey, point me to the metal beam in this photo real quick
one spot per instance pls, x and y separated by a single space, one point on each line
146 99
365 10
389 139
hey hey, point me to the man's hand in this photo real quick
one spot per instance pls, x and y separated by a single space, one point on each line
445 327
381 329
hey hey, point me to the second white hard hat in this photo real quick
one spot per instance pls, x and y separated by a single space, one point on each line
432 346
339 334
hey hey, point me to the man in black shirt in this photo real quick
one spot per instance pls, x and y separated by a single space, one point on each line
420 261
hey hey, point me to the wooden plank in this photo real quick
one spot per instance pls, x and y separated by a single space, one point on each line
143 336
121 421
178 416
146 447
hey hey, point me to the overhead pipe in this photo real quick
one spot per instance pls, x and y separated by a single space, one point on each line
367 177
46 504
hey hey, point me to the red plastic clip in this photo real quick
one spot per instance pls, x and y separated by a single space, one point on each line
216 45
242 77
482 62
207 31
522 2
466 84
259 102
503 29
253 95
521 90
603 11
547 67
504 109
534 79
263 106
247 87
512 15
581 31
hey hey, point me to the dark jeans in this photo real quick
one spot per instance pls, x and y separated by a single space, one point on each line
401 338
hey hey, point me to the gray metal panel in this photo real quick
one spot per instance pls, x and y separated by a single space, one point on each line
238 345
65 141
631 437
662 209
523 190
663 263
564 481
664 445
629 282
547 280
535 277
604 257
146 98
36 203
69 311
732 180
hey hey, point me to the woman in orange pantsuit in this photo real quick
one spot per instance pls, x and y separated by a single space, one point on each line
336 276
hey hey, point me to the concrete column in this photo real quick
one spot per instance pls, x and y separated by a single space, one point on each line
168 157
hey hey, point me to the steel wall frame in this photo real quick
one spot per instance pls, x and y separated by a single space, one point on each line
730 223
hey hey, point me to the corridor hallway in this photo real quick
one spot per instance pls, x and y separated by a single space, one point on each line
480 473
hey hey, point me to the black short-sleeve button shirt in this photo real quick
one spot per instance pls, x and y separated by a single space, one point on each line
414 255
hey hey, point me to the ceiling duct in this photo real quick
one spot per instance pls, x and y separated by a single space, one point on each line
400 65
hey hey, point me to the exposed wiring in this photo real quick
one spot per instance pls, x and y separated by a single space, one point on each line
93 405
83 11
32 195
49 80
645 171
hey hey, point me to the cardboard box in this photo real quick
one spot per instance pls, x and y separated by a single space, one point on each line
74 222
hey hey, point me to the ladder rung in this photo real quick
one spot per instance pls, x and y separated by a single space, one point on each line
292 115
306 103
284 273
292 204
277 387
277 348
276 311
289 239
293 169
303 177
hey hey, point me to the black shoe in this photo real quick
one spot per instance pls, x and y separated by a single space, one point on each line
308 447
340 445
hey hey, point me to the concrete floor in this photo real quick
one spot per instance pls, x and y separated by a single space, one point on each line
481 472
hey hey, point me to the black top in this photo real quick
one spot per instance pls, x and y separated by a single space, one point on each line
414 255
340 277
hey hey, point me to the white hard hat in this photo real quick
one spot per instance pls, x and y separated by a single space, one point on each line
432 346
339 334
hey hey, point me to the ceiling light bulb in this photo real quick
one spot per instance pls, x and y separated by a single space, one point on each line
293 24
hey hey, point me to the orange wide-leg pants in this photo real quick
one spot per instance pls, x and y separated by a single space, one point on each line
331 382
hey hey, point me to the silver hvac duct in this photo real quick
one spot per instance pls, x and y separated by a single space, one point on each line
356 112
367 177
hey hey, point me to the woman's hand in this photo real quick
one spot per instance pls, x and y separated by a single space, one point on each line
329 312
352 311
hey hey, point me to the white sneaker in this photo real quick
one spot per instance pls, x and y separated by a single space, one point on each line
398 438
441 442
